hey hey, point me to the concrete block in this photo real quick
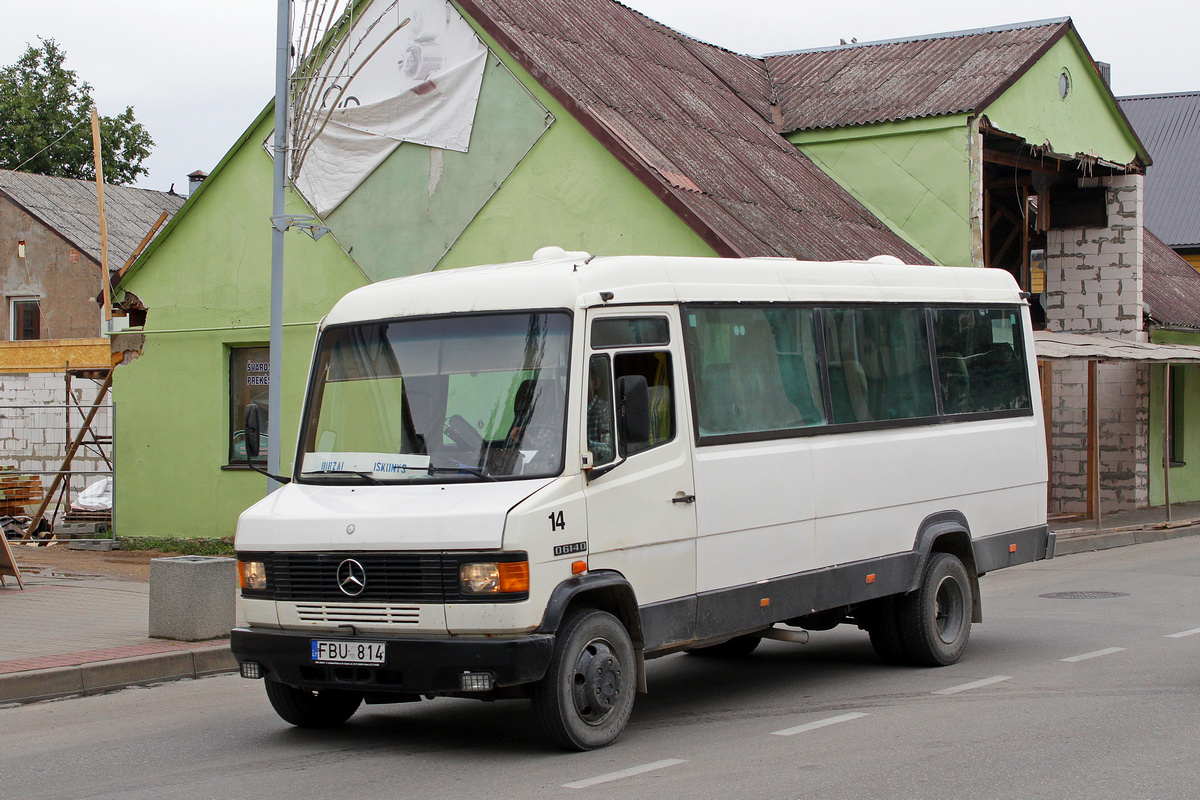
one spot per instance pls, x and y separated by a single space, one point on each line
192 597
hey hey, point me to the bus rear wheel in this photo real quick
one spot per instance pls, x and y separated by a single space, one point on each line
885 633
585 699
935 620
312 708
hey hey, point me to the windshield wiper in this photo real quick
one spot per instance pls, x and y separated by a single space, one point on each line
366 476
460 469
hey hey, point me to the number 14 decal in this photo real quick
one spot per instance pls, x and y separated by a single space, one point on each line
556 521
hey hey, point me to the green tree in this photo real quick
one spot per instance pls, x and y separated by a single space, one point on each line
45 123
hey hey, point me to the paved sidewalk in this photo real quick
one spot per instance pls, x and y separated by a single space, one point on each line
65 635
78 635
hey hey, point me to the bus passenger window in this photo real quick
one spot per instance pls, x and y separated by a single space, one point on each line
656 369
980 356
878 364
755 369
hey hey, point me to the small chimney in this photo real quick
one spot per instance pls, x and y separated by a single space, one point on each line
1105 70
195 179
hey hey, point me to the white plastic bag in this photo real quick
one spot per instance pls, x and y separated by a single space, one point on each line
96 497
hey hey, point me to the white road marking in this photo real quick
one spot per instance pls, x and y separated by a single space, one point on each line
974 684
1094 654
625 773
812 726
1181 634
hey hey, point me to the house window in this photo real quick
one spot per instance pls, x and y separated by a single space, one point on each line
25 319
1176 384
249 375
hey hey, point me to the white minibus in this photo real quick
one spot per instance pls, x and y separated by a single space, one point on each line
524 480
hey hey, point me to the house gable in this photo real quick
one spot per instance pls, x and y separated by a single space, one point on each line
1086 121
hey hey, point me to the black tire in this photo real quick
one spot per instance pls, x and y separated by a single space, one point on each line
884 630
312 708
737 647
586 696
935 620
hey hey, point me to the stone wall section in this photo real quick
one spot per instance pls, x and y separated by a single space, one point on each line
1094 286
34 422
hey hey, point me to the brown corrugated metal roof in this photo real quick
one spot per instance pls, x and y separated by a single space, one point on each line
69 207
1170 286
947 73
692 121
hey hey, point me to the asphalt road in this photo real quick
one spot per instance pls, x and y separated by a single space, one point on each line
1055 698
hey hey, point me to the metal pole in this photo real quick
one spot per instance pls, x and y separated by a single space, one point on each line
274 390
1166 442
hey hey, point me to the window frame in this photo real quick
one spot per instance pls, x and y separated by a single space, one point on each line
13 316
236 414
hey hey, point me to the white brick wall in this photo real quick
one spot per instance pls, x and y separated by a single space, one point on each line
1094 285
34 420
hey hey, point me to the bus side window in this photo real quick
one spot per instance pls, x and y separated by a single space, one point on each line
655 367
981 364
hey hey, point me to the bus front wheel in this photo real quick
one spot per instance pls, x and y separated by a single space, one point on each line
585 699
311 708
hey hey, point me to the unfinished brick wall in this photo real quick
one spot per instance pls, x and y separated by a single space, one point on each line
1094 285
35 424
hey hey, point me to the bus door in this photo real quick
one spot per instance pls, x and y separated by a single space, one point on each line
641 494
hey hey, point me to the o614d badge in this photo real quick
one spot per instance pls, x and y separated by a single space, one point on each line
568 549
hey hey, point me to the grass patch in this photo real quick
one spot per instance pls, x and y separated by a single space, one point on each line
170 544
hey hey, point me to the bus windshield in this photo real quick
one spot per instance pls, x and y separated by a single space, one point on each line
461 398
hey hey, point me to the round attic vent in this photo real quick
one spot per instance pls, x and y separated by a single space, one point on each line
1064 84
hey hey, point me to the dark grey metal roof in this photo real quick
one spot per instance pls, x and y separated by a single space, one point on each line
1169 124
692 122
1170 286
944 73
69 207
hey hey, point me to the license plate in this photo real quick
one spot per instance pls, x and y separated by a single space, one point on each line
355 653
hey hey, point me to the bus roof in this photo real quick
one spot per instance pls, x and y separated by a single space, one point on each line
557 279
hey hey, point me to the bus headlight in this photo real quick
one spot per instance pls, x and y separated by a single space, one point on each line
252 575
492 577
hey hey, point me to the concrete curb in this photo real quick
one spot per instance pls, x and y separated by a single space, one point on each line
107 676
1068 543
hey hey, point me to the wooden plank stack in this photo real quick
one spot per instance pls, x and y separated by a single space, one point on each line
18 491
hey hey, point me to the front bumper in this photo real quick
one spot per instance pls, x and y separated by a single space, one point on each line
413 665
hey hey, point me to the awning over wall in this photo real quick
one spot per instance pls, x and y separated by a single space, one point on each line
1096 347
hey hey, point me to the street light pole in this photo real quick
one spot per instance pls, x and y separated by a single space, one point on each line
274 390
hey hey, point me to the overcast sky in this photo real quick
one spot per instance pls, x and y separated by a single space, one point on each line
198 72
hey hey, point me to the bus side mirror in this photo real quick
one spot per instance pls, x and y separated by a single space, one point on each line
633 408
253 429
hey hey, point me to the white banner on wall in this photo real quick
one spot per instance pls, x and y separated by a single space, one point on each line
407 72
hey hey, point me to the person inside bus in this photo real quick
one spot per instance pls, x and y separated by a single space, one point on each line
599 420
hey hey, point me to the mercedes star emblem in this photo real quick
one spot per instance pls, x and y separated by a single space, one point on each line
351 577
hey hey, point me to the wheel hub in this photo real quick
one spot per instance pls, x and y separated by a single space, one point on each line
950 610
597 681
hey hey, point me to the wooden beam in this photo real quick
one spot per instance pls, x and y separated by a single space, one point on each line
105 277
137 251
1093 446
55 355
1024 162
